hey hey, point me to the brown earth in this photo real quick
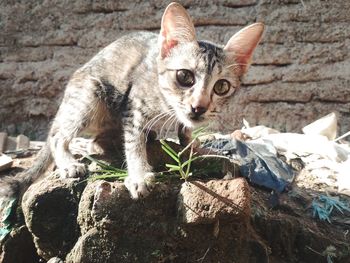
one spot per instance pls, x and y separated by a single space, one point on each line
208 220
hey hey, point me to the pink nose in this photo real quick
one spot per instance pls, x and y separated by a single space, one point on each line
198 111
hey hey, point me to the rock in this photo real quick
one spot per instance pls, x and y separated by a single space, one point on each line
50 208
3 140
102 201
22 142
5 162
11 144
207 202
94 246
18 247
178 222
109 218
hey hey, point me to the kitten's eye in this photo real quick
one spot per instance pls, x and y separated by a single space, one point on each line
222 87
185 77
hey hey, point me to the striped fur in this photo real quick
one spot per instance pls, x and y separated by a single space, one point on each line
131 85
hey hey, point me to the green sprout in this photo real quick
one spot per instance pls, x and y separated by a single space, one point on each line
107 171
183 168
201 131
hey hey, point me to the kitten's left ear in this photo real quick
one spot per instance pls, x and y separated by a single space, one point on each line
176 27
241 45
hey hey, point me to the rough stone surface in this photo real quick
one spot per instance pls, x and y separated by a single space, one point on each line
115 228
50 209
145 230
3 140
18 247
300 71
207 202
22 142
103 224
88 248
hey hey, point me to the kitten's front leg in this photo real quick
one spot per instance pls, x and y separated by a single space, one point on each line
185 138
140 177
184 135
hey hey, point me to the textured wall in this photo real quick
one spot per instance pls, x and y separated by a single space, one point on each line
301 70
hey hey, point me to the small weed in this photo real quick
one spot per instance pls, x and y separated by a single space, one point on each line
107 171
183 167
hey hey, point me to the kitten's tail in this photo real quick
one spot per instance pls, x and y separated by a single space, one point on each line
15 186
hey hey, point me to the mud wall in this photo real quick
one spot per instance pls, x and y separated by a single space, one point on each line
301 70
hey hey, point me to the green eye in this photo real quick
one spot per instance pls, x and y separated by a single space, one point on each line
185 78
222 87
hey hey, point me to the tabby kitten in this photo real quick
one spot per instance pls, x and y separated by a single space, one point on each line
137 79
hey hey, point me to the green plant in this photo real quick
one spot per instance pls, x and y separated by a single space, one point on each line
183 167
107 171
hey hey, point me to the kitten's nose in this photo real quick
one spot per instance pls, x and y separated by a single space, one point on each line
198 111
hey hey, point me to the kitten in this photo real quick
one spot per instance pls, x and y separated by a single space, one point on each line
140 78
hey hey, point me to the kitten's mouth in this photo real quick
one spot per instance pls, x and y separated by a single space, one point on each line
197 118
192 120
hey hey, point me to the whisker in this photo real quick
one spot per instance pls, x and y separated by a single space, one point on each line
171 125
160 115
169 119
148 126
155 119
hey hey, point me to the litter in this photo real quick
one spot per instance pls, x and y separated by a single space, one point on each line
326 126
258 149
5 162
257 161
323 207
7 207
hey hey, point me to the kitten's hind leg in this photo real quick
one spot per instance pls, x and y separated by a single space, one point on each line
67 165
73 116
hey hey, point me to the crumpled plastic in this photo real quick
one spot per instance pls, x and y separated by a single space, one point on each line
326 157
7 207
258 162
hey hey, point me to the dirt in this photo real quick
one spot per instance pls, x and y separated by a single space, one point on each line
281 228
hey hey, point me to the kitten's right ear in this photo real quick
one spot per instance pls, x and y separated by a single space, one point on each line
176 27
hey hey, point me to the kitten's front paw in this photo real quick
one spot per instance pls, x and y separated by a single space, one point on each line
140 187
73 170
